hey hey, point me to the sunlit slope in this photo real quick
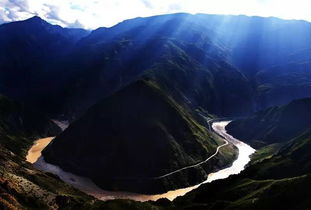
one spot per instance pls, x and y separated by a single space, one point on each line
251 44
113 57
279 180
183 60
293 159
129 140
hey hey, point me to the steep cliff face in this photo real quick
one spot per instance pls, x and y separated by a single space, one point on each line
129 140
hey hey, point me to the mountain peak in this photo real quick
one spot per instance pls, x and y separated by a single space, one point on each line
36 19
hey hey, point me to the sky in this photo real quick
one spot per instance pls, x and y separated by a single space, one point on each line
91 14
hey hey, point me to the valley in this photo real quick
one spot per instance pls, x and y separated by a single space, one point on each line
87 186
35 152
175 111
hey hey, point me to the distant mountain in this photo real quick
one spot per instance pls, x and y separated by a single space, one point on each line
235 55
134 136
263 41
278 83
29 52
251 44
274 125
108 59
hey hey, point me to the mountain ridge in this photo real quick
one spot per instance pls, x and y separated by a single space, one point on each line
274 125
143 86
104 58
122 155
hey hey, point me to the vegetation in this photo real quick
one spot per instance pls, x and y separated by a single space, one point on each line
274 125
145 83
278 177
118 141
21 185
19 126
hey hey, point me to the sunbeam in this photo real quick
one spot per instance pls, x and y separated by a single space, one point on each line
93 14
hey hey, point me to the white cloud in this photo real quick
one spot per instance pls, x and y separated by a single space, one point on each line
96 13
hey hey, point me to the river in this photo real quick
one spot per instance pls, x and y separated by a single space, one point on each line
87 186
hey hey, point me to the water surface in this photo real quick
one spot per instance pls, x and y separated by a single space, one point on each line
87 186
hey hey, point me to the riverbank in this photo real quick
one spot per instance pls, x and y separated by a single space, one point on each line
87 186
35 151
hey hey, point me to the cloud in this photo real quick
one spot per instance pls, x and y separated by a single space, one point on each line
76 24
174 8
91 14
11 10
147 3
52 13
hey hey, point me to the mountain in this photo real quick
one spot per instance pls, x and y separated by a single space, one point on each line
141 87
278 83
109 59
265 42
21 185
280 181
134 136
276 178
78 68
29 52
19 125
273 125
237 37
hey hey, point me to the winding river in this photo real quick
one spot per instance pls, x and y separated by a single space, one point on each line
87 186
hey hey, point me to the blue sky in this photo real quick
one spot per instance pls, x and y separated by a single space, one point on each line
92 14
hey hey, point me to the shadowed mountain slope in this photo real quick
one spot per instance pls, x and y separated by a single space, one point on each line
19 125
277 178
127 140
29 53
137 91
274 125
71 65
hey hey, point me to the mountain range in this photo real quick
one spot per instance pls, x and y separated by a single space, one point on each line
79 67
139 97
